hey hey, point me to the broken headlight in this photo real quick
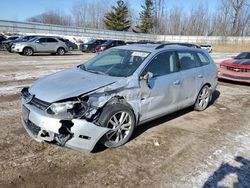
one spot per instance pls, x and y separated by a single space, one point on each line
68 110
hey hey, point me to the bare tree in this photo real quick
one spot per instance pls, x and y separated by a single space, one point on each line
52 17
198 21
90 14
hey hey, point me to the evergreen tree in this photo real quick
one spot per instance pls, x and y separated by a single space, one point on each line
146 17
118 18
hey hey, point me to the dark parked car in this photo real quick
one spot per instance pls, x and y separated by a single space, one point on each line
91 45
109 44
71 45
8 43
2 38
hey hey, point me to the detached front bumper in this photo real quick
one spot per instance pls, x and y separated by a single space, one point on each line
76 134
234 76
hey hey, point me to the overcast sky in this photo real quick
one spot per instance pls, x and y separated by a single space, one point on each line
23 9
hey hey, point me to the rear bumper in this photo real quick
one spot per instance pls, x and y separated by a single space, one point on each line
234 76
76 134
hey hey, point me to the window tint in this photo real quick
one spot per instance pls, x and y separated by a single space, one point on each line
202 58
51 40
187 60
42 40
163 64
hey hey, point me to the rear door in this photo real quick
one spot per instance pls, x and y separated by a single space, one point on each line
192 77
161 94
51 44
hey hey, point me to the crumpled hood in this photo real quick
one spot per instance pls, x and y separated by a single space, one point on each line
69 83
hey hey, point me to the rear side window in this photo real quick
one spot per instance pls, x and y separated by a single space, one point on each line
162 64
204 60
51 40
187 60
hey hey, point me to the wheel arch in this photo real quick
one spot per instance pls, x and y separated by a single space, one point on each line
60 47
28 47
117 99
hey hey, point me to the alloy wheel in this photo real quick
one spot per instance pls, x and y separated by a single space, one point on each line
120 123
203 98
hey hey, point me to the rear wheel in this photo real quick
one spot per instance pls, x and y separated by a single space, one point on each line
121 121
27 51
60 51
203 98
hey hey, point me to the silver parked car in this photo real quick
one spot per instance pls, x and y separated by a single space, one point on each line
106 97
40 45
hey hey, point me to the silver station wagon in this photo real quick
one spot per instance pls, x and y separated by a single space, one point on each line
105 98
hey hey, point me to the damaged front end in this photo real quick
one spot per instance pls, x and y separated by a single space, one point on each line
73 122
67 123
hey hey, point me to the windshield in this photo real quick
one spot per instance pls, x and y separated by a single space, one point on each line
91 41
116 62
243 55
12 38
108 42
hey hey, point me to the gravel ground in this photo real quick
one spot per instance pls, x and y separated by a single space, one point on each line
184 149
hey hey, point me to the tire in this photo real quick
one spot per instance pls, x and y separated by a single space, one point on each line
60 51
203 98
28 51
120 118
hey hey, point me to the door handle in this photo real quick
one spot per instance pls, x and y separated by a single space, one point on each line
177 82
200 76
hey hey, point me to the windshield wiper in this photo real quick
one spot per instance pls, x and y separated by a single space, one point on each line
97 72
83 67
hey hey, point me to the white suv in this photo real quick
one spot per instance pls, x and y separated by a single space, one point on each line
40 45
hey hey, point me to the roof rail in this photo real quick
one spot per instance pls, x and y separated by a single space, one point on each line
159 46
177 43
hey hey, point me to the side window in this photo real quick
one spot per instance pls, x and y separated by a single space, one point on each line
204 60
42 40
187 60
163 64
51 40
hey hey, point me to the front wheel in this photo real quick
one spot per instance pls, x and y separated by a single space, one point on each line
203 99
121 121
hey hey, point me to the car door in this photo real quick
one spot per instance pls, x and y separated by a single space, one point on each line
51 45
160 94
41 45
192 77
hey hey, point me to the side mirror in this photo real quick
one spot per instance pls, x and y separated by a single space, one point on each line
37 41
147 77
